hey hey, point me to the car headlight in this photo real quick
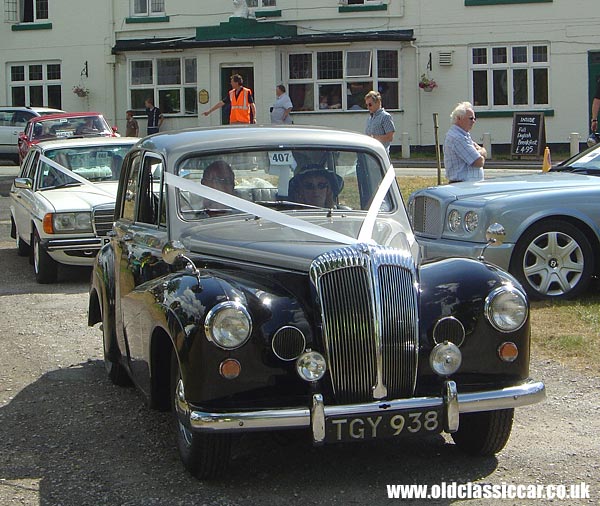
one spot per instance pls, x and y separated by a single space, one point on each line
506 308
311 366
471 221
445 358
228 325
72 222
454 220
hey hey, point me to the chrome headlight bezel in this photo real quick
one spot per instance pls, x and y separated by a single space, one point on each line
219 331
506 308
63 223
454 220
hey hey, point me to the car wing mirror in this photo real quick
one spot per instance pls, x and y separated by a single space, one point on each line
175 250
494 235
23 183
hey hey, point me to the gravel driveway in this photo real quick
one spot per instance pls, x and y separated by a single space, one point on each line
69 437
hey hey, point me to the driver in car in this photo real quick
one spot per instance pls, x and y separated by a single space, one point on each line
315 186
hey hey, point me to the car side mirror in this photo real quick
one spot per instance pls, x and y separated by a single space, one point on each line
24 183
172 251
114 129
495 234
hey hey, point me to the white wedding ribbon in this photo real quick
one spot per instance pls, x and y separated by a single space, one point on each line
365 233
77 177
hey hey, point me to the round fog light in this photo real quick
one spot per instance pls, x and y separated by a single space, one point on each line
445 358
508 352
230 368
311 366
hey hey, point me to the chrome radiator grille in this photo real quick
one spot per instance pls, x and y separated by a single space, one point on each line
370 325
426 218
102 220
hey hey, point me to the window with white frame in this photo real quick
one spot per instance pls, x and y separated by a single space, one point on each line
261 3
509 76
339 80
170 82
35 84
360 2
147 7
25 11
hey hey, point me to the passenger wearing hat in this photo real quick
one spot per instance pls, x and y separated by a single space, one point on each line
315 186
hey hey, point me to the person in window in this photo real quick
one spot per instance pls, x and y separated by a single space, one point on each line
88 128
219 176
315 186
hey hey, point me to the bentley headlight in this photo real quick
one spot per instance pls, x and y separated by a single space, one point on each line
471 221
506 309
454 220
72 222
445 358
228 325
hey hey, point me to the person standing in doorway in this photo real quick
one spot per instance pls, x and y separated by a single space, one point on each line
243 109
132 129
463 157
280 112
155 117
380 124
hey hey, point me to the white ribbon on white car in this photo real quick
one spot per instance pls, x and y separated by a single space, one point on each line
285 220
77 177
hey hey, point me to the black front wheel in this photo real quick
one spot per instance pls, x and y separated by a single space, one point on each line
206 456
484 434
44 266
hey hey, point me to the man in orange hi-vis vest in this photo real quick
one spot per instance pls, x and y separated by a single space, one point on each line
241 100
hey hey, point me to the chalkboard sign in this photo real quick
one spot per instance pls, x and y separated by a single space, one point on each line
528 134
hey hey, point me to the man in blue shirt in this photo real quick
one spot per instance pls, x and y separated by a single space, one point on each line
380 124
463 157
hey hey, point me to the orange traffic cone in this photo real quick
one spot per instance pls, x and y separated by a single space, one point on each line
547 160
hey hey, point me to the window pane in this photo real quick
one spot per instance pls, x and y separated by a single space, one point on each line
479 56
36 96
53 71
190 70
480 92
131 192
191 104
302 96
141 72
169 101
137 100
140 7
54 96
500 87
330 96
355 93
35 73
358 64
329 65
41 9
499 55
519 54
158 6
18 95
168 71
269 3
540 53
17 73
389 94
520 87
387 64
301 66
540 86
252 3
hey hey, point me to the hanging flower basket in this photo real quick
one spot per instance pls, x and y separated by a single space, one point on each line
81 91
427 83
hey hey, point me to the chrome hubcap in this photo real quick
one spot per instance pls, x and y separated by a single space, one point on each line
553 263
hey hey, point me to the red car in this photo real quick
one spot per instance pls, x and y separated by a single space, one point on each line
63 125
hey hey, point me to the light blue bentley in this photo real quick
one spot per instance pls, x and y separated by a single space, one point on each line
551 221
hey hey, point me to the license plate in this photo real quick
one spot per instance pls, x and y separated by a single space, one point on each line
384 425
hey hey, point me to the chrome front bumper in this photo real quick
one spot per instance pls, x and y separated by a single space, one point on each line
450 401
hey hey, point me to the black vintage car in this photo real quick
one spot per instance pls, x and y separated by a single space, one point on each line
264 279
